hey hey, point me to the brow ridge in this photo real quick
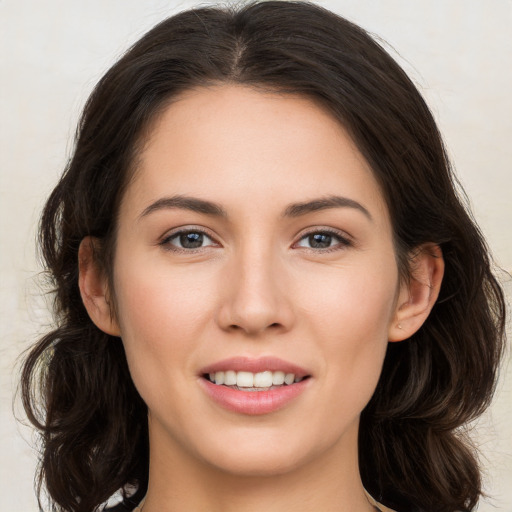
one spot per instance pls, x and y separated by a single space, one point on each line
293 210
186 203
333 201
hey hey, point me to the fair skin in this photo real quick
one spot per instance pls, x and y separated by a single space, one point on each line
255 283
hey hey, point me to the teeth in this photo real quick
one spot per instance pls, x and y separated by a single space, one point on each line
264 379
289 378
277 378
244 379
230 378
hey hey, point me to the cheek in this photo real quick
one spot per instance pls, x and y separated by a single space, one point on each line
152 294
355 302
351 322
161 314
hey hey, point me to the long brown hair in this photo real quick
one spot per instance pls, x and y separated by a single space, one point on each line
76 386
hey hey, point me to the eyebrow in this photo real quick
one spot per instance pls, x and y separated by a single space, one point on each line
293 210
324 203
185 203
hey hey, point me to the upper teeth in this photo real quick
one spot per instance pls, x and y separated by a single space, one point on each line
253 380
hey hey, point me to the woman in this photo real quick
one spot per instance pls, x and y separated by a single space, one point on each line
269 293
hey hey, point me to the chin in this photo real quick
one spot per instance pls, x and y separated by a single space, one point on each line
249 453
263 464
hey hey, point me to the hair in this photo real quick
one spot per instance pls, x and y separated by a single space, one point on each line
76 386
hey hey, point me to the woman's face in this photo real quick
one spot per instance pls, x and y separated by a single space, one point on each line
253 239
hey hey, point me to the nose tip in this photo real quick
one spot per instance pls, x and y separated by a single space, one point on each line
252 321
254 301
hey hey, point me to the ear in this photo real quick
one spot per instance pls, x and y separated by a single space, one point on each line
419 293
94 288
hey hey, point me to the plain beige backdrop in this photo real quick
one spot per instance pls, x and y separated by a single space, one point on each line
459 52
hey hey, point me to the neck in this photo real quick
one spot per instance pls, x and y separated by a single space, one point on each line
330 482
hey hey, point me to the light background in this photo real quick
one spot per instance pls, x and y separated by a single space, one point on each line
459 52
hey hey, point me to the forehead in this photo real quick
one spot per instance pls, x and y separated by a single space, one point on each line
237 144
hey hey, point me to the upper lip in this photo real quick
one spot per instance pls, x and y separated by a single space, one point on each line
254 365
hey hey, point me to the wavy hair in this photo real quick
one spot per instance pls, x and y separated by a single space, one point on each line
76 386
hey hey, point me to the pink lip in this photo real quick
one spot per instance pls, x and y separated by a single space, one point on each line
254 402
261 364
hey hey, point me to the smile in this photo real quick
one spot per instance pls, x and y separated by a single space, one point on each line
248 381
250 386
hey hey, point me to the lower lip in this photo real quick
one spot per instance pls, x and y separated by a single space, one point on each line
253 402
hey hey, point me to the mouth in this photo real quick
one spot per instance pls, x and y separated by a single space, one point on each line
251 386
249 381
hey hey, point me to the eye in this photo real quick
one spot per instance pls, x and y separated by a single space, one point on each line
187 240
323 239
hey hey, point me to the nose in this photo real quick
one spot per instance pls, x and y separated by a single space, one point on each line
254 297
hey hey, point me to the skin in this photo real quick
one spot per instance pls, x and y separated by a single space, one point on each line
255 288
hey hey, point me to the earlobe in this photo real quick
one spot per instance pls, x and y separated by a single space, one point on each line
94 288
419 293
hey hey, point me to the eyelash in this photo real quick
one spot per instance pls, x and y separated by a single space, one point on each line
343 241
166 242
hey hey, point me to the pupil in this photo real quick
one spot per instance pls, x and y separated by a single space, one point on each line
191 240
320 241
